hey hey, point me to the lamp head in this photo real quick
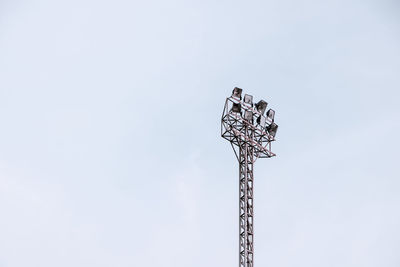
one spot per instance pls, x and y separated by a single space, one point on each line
261 106
272 129
237 93
248 99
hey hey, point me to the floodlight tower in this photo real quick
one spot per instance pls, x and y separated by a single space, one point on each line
250 133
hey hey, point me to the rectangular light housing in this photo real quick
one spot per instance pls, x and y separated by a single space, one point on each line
237 93
248 99
261 106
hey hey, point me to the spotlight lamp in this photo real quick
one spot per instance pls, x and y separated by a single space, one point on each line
272 129
236 108
237 93
248 99
248 116
271 114
261 106
261 120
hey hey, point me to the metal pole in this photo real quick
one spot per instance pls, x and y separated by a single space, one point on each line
250 214
246 215
242 207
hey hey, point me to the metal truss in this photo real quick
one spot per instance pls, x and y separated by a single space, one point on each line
249 141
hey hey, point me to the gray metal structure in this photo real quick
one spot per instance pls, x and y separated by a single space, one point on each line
250 132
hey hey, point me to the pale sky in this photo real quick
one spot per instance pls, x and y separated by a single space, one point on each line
110 147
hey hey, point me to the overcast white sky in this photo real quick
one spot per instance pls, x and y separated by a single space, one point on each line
110 154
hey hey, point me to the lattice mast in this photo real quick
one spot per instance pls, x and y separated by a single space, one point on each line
250 133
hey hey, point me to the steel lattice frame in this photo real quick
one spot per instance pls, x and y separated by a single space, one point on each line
249 141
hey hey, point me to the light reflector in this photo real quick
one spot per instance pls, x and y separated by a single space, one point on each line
237 93
248 99
261 106
248 116
272 129
261 120
271 114
236 107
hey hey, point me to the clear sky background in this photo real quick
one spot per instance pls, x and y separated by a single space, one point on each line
110 150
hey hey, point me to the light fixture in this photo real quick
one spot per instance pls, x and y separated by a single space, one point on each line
272 129
249 142
261 120
237 108
237 93
271 114
248 99
248 116
261 106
